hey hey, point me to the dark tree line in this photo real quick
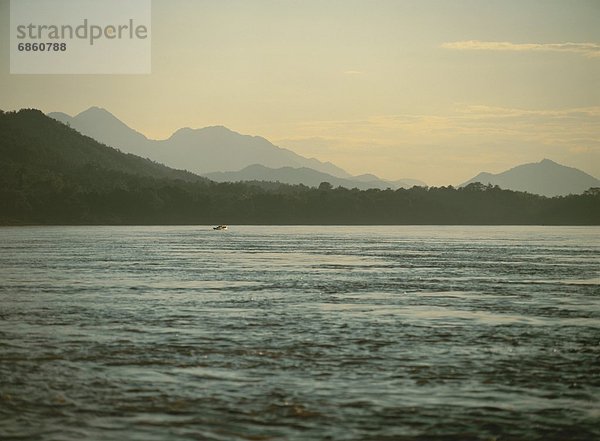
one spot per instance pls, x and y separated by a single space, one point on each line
51 174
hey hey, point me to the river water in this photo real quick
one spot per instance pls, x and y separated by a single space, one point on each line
299 333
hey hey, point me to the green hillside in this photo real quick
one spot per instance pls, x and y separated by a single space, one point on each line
51 174
29 137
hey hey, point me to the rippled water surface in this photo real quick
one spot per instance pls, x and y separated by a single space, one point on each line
299 333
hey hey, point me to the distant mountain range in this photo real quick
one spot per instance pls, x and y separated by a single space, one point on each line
52 174
227 156
220 153
546 178
200 151
307 176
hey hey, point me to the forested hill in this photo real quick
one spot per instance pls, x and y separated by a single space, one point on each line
51 174
30 139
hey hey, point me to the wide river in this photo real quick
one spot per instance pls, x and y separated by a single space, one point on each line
299 333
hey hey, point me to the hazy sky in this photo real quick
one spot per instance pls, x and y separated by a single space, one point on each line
434 90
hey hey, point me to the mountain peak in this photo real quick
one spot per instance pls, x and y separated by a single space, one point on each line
546 178
103 126
547 161
219 128
210 130
94 110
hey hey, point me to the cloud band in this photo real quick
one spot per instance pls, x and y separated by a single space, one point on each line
590 50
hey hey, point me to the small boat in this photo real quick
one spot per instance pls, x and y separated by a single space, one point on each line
220 227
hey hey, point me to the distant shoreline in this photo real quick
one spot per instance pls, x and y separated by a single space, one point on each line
233 226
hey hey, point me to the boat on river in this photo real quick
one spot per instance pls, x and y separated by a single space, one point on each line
220 227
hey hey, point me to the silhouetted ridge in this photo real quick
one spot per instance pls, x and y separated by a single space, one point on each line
306 176
48 143
204 150
51 174
546 178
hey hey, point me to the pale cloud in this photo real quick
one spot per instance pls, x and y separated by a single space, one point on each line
549 126
500 112
589 50
564 127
